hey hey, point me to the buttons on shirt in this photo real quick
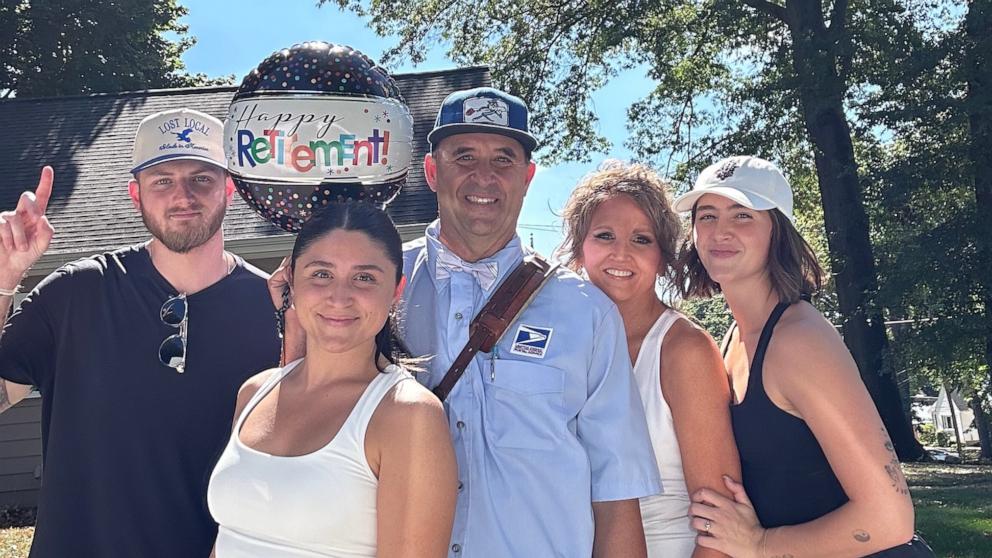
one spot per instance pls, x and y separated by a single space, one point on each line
460 425
456 548
458 315
460 485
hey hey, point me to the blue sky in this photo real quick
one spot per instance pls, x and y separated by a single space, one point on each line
233 36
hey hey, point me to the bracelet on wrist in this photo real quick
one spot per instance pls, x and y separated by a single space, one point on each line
10 292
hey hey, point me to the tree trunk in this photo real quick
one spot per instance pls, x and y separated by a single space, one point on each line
822 92
955 423
897 334
983 426
978 105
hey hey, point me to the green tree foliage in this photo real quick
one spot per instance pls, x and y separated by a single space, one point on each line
8 34
787 80
931 229
71 47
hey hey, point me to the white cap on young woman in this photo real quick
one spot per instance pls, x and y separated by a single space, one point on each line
750 181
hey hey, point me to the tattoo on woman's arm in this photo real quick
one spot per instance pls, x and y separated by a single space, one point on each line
893 468
861 536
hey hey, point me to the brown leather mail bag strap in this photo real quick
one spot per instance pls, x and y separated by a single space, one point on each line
509 300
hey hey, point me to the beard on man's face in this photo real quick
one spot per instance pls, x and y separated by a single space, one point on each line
184 236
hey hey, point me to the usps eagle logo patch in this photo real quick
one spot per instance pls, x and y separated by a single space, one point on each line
531 341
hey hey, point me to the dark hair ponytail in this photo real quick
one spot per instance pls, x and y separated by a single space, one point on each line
376 224
389 345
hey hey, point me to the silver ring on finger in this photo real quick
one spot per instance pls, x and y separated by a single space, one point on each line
706 526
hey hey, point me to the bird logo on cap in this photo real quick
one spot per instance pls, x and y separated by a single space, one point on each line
184 135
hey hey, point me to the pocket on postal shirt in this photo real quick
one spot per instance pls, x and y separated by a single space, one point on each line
525 405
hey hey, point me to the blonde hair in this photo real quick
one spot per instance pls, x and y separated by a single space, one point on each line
615 178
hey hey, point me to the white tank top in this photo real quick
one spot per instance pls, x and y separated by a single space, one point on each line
665 516
322 504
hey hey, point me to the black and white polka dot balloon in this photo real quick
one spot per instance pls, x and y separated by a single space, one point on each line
315 124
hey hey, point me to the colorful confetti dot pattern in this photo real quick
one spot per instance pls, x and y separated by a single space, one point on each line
311 72
289 206
320 67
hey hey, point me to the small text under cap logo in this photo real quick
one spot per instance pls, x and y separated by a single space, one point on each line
485 110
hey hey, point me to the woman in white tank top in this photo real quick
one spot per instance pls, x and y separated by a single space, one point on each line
339 454
621 230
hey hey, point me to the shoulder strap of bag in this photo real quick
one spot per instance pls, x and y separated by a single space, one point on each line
511 297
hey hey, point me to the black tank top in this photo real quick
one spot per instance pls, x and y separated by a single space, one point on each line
784 470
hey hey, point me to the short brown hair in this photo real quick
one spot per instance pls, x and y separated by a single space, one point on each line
792 265
613 179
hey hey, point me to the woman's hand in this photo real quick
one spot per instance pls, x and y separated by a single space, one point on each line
729 526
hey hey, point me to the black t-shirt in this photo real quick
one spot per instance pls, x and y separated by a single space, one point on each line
128 442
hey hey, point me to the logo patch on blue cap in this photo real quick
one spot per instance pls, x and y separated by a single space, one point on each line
531 341
486 110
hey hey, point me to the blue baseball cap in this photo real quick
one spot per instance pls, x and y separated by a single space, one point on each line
483 110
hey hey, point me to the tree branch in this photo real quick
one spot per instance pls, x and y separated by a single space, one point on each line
771 9
677 127
562 26
838 17
840 43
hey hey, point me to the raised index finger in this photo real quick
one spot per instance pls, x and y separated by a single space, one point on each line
44 191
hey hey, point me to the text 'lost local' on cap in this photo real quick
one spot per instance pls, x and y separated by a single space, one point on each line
178 134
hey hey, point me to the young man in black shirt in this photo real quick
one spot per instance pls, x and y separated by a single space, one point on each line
137 353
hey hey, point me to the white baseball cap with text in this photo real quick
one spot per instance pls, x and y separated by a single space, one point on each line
178 134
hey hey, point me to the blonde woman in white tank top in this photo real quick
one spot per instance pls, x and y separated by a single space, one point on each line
621 231
339 454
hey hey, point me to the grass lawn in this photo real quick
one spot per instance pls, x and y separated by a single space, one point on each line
15 542
953 507
15 532
953 512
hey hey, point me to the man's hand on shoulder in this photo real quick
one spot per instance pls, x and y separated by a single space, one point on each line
294 338
25 232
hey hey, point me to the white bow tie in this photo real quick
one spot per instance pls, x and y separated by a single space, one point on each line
484 272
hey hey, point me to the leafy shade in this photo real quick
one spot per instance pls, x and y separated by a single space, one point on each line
780 80
72 47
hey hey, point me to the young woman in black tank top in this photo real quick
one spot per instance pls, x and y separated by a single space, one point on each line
820 476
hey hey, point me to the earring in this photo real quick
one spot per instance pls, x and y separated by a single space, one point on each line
281 312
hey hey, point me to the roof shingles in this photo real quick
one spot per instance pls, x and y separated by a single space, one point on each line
88 140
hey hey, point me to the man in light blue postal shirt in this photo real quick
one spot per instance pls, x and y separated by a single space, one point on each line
552 446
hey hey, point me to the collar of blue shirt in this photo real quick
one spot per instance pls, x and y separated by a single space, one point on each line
488 272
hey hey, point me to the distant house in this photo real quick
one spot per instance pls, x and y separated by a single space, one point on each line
88 140
940 416
921 408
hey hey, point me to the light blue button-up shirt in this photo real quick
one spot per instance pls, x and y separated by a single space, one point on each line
543 426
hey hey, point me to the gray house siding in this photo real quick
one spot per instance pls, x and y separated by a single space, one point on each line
20 454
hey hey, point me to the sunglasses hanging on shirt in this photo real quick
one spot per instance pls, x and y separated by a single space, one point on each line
172 352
